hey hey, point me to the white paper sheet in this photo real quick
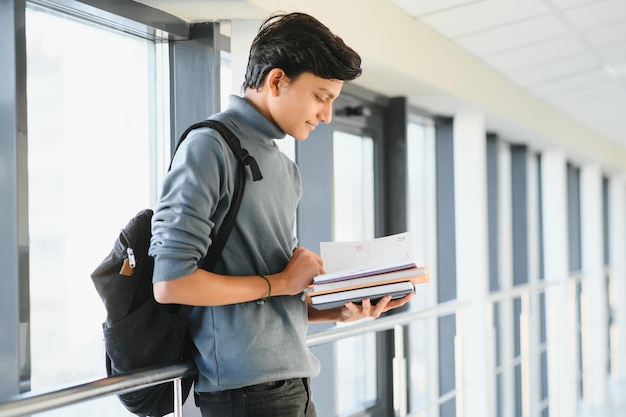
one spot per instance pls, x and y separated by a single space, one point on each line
366 254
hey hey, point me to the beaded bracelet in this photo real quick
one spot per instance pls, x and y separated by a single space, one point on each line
269 293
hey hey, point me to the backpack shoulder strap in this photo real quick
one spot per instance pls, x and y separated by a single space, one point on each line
219 241
232 141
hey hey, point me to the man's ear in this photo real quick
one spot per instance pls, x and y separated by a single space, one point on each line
274 80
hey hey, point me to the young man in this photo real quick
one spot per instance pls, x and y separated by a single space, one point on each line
252 356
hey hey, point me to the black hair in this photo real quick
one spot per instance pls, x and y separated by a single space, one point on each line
297 43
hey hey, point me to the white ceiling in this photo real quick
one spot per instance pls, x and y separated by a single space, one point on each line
569 54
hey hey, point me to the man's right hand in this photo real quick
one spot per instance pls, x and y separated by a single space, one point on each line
303 266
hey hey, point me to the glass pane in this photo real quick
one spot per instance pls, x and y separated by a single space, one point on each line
423 395
89 125
353 194
353 211
226 79
421 210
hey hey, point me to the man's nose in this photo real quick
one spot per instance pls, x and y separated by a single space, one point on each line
326 114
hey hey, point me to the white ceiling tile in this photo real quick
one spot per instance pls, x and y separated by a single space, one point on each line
422 7
536 54
579 87
597 14
513 36
617 71
565 4
602 113
476 17
562 51
554 70
612 105
613 34
587 97
569 53
613 55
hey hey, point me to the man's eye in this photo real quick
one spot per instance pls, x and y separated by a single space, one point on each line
321 100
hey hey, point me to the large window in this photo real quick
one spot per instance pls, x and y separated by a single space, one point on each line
517 336
353 194
353 219
421 220
577 291
421 208
92 135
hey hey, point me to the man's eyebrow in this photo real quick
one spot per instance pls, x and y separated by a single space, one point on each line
329 93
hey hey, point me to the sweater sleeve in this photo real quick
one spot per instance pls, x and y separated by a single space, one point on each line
185 214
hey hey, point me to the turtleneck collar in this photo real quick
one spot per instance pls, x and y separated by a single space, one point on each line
243 110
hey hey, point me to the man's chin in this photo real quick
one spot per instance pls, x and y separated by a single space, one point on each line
301 136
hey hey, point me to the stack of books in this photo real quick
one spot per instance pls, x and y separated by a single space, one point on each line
333 290
366 269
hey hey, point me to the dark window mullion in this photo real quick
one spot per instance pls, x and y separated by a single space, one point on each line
519 215
493 217
446 257
14 249
194 78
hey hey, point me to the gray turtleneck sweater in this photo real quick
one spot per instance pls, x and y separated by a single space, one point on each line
247 343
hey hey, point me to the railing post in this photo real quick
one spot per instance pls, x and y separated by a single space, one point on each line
525 353
459 358
490 336
178 397
399 373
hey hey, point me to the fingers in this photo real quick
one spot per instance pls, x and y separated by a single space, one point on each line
306 256
367 309
301 269
398 302
301 251
380 306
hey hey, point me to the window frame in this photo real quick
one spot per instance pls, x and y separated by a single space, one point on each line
135 19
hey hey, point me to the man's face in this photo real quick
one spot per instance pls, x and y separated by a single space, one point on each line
303 103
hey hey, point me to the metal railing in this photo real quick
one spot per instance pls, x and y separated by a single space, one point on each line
531 346
32 403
